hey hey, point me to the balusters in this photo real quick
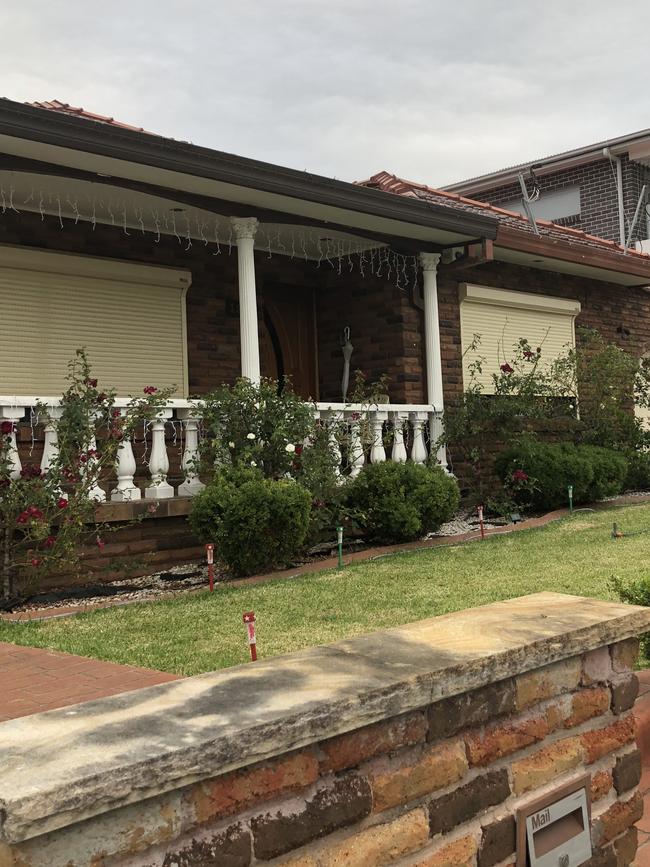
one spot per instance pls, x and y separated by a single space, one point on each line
333 420
159 489
357 456
192 485
51 439
419 448
126 489
376 419
13 415
399 449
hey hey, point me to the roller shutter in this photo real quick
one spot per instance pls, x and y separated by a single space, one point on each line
501 317
130 317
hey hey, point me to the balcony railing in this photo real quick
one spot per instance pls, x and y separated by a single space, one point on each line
358 430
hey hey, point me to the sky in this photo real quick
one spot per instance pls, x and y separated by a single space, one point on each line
432 91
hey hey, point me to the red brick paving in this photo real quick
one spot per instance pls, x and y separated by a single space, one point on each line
34 680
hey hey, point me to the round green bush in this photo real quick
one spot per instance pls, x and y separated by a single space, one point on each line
550 468
256 524
638 470
395 502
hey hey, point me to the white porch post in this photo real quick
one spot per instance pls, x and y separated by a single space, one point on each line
433 358
245 229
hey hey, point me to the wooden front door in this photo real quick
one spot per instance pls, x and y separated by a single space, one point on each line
288 337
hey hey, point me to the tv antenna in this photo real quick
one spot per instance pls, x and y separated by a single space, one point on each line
529 199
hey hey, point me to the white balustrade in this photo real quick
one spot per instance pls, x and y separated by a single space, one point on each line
51 440
159 489
126 490
398 453
376 419
359 426
192 485
419 447
12 415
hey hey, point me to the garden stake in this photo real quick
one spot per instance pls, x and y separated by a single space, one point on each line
249 620
480 521
209 554
339 539
570 499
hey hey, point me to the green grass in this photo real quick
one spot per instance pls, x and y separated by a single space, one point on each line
202 632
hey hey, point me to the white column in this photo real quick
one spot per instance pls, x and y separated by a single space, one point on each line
126 489
192 485
159 489
95 492
333 421
433 357
245 229
13 415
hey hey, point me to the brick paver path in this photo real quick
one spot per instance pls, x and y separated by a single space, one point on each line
33 680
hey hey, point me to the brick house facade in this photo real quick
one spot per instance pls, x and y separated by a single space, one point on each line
591 175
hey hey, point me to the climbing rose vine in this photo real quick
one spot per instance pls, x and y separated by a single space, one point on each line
45 516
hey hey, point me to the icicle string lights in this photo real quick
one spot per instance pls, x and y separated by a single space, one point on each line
340 255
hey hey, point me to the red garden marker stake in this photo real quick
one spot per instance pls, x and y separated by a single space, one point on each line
249 620
209 554
480 521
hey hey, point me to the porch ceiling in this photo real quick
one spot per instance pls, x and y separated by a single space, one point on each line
137 211
36 134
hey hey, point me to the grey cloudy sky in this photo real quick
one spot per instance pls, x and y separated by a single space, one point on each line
434 91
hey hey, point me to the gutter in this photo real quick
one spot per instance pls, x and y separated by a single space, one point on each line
73 133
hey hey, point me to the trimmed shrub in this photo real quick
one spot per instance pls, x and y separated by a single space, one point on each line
256 524
538 474
638 471
398 502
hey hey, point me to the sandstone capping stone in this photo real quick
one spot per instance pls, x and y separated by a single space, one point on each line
173 735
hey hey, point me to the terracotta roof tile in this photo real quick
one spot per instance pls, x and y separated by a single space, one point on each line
65 108
510 219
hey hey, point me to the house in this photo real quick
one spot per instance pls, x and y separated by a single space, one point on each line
596 188
175 264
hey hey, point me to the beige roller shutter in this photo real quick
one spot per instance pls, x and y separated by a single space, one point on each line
501 317
130 317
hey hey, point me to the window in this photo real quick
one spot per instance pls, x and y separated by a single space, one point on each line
129 316
501 317
556 205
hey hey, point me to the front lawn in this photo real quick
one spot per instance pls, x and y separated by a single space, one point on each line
202 632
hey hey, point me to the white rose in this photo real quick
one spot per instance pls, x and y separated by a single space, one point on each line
250 436
290 448
253 463
231 445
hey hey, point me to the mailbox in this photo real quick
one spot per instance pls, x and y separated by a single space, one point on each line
554 831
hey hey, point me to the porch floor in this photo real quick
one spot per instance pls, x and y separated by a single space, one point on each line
34 680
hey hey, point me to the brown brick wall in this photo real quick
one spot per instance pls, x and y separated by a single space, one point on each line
384 324
598 196
436 787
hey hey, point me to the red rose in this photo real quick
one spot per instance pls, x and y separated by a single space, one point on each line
505 368
150 389
31 471
116 413
101 397
519 476
298 450
62 503
34 512
529 354
100 543
7 427
36 562
92 383
22 518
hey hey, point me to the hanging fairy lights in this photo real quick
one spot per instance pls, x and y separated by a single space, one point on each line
342 255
